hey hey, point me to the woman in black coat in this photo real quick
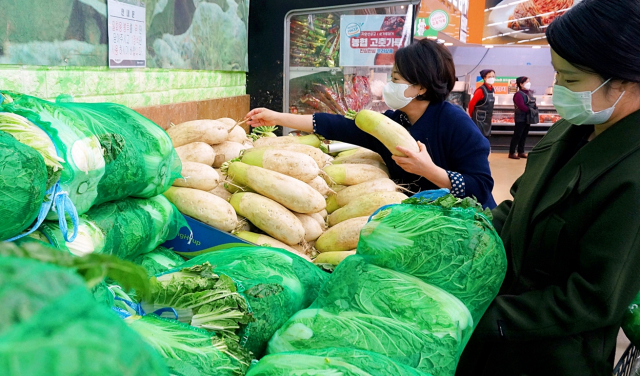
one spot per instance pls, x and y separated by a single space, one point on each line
572 231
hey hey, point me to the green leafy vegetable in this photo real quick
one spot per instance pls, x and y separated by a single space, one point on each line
29 134
23 184
126 228
401 342
361 287
110 152
159 260
631 321
94 268
249 292
331 362
451 247
264 131
50 324
450 201
213 299
190 349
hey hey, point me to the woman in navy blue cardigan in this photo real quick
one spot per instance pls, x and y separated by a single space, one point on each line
453 153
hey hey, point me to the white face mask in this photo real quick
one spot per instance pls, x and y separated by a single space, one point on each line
490 80
393 94
576 107
527 86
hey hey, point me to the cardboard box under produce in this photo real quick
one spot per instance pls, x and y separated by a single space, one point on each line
205 239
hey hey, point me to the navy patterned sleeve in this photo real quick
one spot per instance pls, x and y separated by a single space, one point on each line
457 184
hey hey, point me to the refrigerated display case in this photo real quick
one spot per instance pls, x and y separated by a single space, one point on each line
322 73
503 115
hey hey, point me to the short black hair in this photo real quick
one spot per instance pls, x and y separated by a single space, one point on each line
485 72
521 80
430 65
593 37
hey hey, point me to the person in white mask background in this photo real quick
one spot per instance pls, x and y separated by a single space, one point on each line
453 153
526 113
482 102
571 233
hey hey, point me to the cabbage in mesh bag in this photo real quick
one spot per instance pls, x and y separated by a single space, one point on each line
126 228
449 243
631 321
358 286
110 152
23 180
331 362
245 291
187 350
401 342
51 325
159 260
83 165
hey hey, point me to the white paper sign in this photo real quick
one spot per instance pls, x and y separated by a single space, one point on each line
127 35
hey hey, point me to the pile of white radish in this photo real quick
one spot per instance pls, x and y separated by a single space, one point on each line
359 189
199 193
282 192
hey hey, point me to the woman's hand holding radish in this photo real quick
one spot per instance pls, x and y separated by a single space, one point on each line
421 164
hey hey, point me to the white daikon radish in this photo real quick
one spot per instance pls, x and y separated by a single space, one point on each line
198 176
353 192
312 229
365 205
200 152
343 236
204 207
269 216
208 131
352 174
294 194
226 151
291 163
260 239
320 185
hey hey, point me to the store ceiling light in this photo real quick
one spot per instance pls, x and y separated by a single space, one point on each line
434 38
536 47
448 44
488 46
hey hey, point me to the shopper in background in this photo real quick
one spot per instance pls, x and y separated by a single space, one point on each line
481 105
572 230
526 114
453 154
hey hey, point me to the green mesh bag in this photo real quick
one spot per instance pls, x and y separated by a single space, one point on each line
159 260
83 163
331 362
404 343
188 351
109 151
252 291
358 286
448 243
23 180
631 321
51 325
102 294
126 228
